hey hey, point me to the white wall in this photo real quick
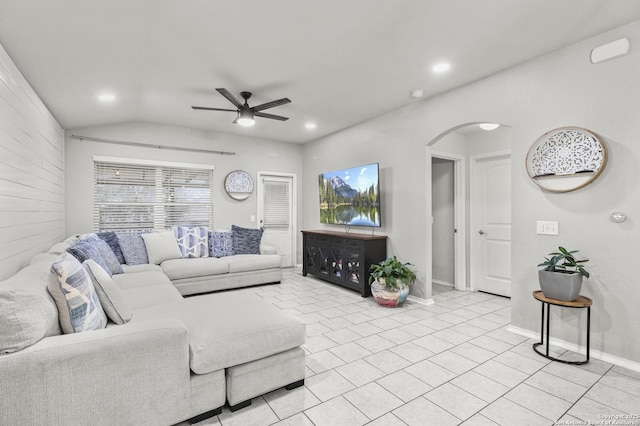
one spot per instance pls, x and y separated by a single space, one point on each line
31 172
559 89
486 142
252 155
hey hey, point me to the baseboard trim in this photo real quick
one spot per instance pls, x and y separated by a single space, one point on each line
602 356
420 300
444 283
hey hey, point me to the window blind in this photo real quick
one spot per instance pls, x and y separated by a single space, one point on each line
276 204
147 197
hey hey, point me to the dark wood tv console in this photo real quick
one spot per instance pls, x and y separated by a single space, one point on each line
342 258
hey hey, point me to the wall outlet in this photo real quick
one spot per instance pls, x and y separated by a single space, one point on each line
253 218
545 227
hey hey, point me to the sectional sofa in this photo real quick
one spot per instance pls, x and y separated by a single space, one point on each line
162 349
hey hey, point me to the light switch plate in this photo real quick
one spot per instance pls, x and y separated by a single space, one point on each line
546 227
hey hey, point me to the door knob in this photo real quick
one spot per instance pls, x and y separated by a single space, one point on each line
481 232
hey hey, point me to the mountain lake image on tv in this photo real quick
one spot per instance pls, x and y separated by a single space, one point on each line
350 196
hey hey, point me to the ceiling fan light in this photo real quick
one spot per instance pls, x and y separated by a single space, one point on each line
488 126
245 118
246 122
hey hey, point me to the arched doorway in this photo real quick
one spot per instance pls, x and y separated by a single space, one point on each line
459 150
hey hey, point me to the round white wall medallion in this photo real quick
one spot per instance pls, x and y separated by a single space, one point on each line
566 159
238 184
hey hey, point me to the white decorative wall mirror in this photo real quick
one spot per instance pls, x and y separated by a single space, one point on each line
238 184
566 159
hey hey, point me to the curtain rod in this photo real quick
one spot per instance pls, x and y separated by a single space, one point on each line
145 145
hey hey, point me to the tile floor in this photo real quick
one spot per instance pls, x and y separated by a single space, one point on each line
449 363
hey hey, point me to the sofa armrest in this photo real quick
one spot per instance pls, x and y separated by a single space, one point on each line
136 373
267 249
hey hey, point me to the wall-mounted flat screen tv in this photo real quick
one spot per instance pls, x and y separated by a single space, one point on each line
350 196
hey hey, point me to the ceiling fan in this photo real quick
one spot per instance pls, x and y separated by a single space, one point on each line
246 113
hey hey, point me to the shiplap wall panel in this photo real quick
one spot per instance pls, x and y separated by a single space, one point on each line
31 172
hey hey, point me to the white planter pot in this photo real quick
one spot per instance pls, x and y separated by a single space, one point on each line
560 286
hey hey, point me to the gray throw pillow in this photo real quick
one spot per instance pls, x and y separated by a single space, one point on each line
114 303
246 240
27 311
133 249
161 246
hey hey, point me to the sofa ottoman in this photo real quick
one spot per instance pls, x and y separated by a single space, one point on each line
262 345
246 381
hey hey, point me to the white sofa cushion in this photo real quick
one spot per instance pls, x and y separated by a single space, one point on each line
27 311
253 262
144 297
143 267
245 325
195 267
114 303
161 246
141 279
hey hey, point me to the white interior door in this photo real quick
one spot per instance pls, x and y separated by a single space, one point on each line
491 228
276 209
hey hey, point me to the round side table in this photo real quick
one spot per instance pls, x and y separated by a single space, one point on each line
580 302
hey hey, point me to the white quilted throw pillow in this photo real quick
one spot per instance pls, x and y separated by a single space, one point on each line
192 240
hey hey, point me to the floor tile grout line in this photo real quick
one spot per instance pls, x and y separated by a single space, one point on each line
500 325
488 403
584 395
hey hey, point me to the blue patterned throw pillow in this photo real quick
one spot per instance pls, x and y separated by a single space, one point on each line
111 239
193 241
108 256
133 249
220 244
70 286
246 240
85 250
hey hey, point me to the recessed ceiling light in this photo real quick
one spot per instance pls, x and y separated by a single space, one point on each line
310 126
107 97
488 126
441 67
416 93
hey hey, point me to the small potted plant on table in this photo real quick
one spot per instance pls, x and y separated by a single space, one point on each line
561 275
390 281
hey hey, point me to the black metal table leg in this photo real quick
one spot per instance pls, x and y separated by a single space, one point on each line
580 302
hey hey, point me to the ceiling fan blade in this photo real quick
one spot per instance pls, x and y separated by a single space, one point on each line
213 109
271 104
271 116
230 97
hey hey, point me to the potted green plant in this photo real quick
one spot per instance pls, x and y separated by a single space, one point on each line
561 275
390 281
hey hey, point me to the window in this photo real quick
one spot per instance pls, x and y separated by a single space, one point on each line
276 203
138 196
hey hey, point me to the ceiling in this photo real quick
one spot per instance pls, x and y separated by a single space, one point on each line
341 62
